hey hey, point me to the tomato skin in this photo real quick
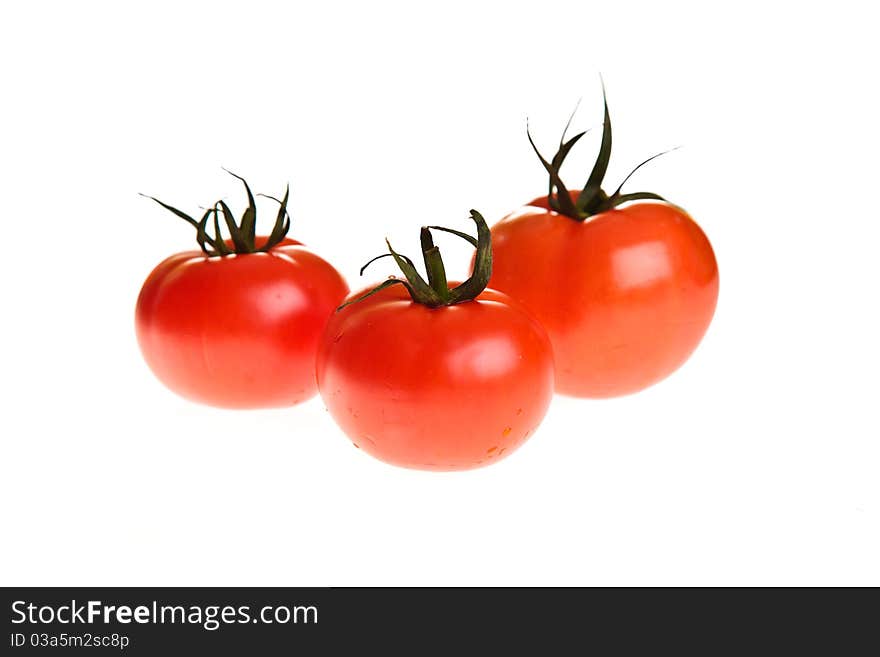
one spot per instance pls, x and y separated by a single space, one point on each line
239 331
625 296
447 388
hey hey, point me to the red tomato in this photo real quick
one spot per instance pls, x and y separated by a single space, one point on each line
447 388
625 290
437 388
238 330
626 296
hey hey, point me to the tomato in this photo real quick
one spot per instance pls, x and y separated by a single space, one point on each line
625 296
625 290
238 330
436 386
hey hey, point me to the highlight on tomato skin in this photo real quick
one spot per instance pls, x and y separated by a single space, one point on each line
626 284
432 385
237 323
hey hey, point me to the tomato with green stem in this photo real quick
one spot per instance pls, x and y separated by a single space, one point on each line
435 375
625 284
236 324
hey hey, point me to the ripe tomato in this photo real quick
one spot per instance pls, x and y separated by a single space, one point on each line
238 330
625 296
435 385
625 290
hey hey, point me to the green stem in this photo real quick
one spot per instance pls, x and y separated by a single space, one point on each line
592 199
434 265
243 232
436 292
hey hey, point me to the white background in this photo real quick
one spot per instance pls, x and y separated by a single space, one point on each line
756 463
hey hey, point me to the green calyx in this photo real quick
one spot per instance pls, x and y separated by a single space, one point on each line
592 198
243 233
435 291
